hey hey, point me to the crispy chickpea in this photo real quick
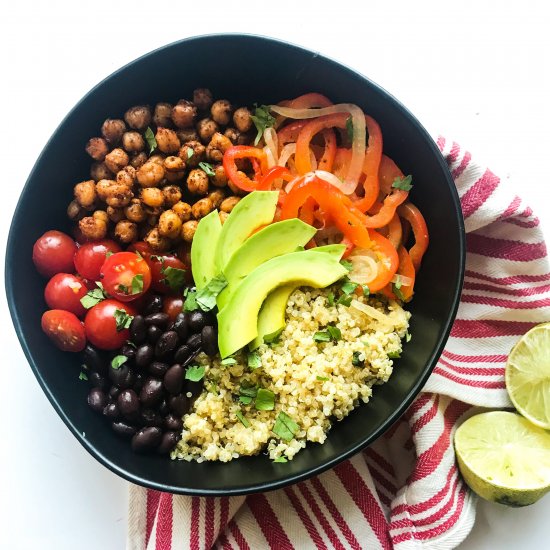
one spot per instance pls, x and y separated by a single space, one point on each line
221 111
169 224
99 171
183 210
156 241
115 214
174 164
216 197
201 208
217 147
101 215
219 179
206 128
246 139
93 228
158 158
113 193
133 142
234 189
223 216
75 211
187 134
172 195
175 177
232 134
152 220
138 117
163 115
192 153
202 98
135 211
197 182
150 174
127 176
152 196
242 118
85 193
228 204
153 211
188 230
97 148
167 141
184 113
126 231
116 160
139 160
113 129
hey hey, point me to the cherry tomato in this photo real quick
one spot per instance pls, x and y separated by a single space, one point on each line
64 329
166 273
54 253
142 247
101 325
172 305
90 257
79 236
125 276
64 291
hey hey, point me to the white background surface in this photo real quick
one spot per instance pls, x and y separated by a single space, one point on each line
476 74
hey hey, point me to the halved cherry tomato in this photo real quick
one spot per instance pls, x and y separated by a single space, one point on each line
125 276
168 273
90 257
53 253
172 305
64 329
142 248
101 325
64 291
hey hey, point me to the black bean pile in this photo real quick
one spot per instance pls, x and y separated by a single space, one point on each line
146 396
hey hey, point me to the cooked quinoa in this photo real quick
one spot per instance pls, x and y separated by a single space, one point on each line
314 382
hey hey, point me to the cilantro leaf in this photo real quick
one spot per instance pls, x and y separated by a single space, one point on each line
150 138
207 167
397 292
242 419
174 277
265 400
190 303
262 119
285 427
93 297
347 264
108 254
194 373
358 359
344 300
331 333
349 287
394 355
118 361
190 152
273 337
408 336
349 128
83 376
281 459
206 297
330 298
321 336
398 283
403 183
334 332
122 319
228 361
245 399
253 359
322 378
366 290
251 391
137 283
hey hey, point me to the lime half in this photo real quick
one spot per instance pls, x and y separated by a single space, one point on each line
528 375
504 458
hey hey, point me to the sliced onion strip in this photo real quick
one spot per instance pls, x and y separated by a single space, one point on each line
405 281
371 312
272 142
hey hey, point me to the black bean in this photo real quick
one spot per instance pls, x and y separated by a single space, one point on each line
138 330
174 378
152 304
123 429
144 355
158 369
194 341
113 392
197 319
97 380
179 403
180 325
128 351
151 393
164 408
139 381
209 340
190 359
111 411
166 344
97 400
158 319
93 360
182 353
149 417
123 377
128 403
153 334
146 439
173 422
195 388
168 442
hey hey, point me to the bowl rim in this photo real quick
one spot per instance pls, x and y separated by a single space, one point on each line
362 442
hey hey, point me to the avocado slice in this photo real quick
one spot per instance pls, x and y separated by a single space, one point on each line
203 265
274 240
238 320
271 318
250 213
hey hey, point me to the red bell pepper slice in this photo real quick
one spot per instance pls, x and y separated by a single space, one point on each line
410 212
240 179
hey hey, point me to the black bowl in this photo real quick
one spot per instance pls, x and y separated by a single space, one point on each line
245 69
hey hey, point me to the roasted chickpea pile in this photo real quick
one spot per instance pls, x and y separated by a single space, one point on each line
158 171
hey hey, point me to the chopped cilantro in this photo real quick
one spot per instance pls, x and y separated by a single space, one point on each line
190 152
322 336
344 300
250 391
403 183
397 292
122 319
137 283
207 167
398 283
347 264
253 359
366 290
408 337
228 361
262 119
331 333
194 373
190 303
151 141
213 387
394 355
322 378
108 254
349 287
245 399
273 337
242 419
285 427
265 400
206 297
330 298
281 459
118 361
334 332
93 297
174 277
123 288
358 359
83 376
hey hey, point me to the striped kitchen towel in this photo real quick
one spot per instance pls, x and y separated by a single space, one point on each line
405 490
